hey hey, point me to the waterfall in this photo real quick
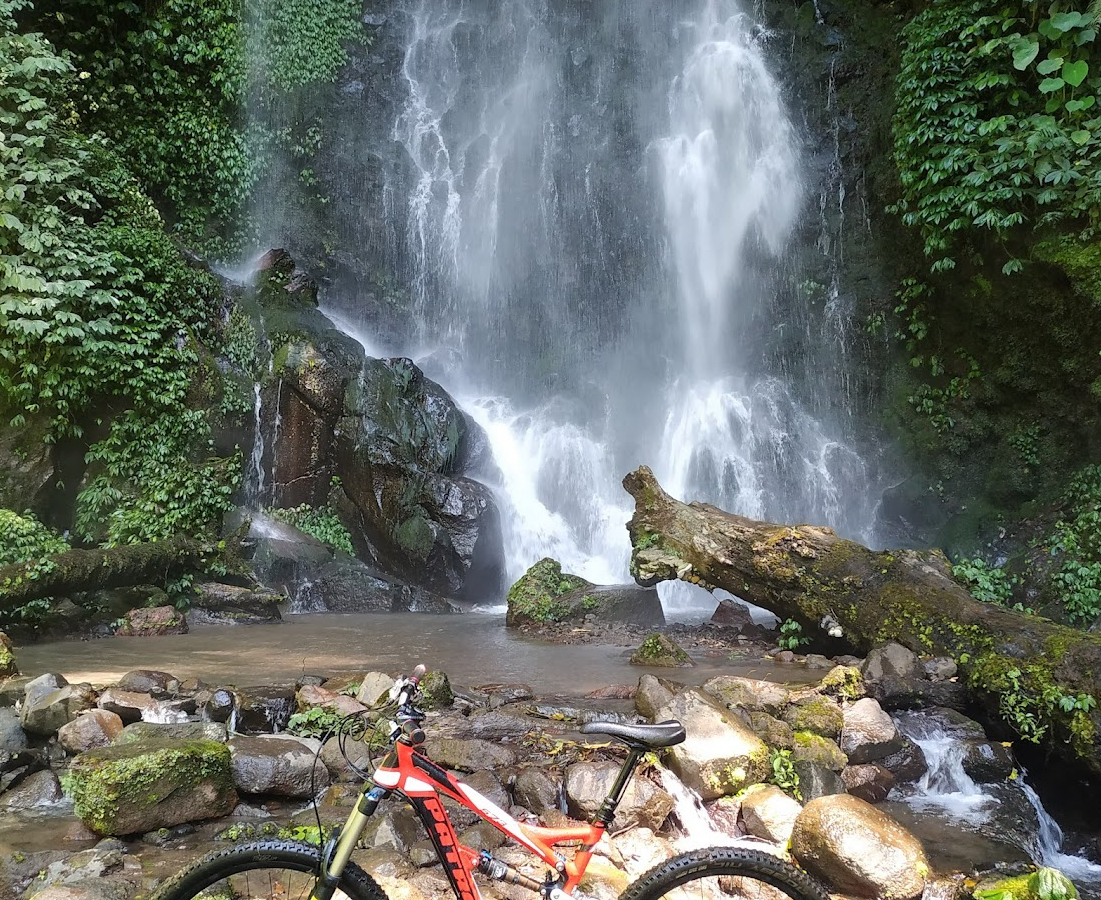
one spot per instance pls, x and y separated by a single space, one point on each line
1047 848
599 210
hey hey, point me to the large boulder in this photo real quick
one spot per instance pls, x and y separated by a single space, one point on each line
38 789
869 734
868 781
470 755
770 814
536 598
153 622
149 681
816 714
537 791
311 696
349 585
281 556
620 604
91 729
277 765
720 754
588 784
130 788
264 710
816 781
653 693
748 693
661 650
813 748
8 668
858 849
50 702
227 604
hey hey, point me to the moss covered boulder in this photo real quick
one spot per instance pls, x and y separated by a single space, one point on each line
537 597
820 715
659 650
145 785
8 668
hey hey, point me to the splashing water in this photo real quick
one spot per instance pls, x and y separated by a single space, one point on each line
698 829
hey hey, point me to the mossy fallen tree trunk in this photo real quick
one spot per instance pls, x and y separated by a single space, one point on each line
1046 678
92 570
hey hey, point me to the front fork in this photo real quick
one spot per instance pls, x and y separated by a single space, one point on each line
338 849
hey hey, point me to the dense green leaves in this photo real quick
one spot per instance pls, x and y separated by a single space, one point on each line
997 125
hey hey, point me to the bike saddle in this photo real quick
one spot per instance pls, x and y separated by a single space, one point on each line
640 737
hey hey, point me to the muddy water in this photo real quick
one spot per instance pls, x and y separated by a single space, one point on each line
472 649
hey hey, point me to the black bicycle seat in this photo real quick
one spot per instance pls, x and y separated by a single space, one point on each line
640 737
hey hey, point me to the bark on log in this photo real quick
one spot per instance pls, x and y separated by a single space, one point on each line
92 570
1025 664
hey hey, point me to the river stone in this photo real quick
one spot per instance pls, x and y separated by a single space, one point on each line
338 766
588 784
817 781
621 604
220 706
39 687
145 785
91 729
277 765
720 754
44 713
373 688
748 693
227 604
660 650
869 734
770 729
175 731
654 693
814 748
987 762
535 790
907 764
12 737
768 813
868 781
858 850
641 850
148 681
310 697
891 662
129 706
264 710
732 614
153 622
939 668
820 715
469 755
39 789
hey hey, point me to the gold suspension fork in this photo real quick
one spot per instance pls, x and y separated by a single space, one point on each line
338 849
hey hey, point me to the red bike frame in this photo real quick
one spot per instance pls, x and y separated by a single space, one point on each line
422 782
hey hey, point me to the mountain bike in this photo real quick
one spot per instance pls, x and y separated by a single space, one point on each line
291 870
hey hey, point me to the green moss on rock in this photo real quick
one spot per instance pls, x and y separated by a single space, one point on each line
659 650
819 715
813 748
436 691
143 786
535 597
845 682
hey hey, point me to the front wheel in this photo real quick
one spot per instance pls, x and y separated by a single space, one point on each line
263 870
725 873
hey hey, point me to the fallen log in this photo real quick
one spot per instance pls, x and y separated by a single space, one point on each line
1044 678
91 570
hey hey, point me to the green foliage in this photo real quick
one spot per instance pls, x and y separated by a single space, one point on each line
1076 543
791 636
240 342
784 775
23 538
1043 884
315 722
988 583
322 523
997 124
164 82
157 477
302 41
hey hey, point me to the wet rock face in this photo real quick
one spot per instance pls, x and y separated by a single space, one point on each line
768 813
720 755
94 728
277 766
869 733
869 781
588 784
50 702
858 849
153 622
227 604
263 710
39 789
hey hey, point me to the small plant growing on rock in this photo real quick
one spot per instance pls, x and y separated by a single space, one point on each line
784 775
316 722
791 636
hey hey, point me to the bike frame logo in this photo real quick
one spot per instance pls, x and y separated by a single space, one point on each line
423 782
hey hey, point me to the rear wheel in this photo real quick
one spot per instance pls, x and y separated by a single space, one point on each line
263 870
725 873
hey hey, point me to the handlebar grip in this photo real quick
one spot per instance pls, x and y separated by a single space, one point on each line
414 733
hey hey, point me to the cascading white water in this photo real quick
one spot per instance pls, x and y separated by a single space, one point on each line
1047 846
584 351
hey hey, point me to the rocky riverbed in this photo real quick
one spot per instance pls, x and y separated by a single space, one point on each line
108 788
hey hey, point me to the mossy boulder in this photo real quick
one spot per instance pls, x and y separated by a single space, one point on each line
537 597
8 668
436 691
1027 885
136 787
843 682
813 748
820 715
659 650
